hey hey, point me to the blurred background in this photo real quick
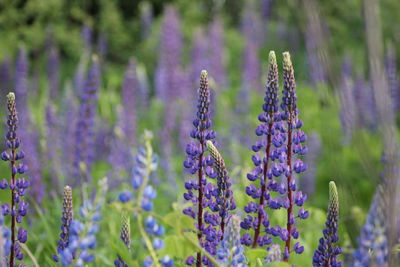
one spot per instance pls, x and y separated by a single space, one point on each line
150 55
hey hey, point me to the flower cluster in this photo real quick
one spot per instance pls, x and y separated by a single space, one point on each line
18 186
197 163
125 235
5 241
224 200
82 234
231 251
84 147
274 254
66 219
327 252
282 139
150 230
268 130
373 248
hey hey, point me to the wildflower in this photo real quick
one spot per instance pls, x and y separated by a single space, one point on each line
231 251
18 186
327 251
373 248
67 217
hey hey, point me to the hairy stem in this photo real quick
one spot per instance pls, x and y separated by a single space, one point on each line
289 179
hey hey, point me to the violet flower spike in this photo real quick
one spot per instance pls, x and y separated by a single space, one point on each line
268 145
373 245
67 217
294 146
327 251
224 196
197 163
84 153
18 186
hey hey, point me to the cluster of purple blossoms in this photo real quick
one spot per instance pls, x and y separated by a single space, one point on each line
151 231
327 252
84 147
18 186
275 162
231 251
5 241
197 163
224 200
66 219
82 233
373 247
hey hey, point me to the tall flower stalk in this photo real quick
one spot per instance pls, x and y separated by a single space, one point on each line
269 137
373 246
66 219
197 163
18 186
225 201
150 230
327 252
294 146
84 147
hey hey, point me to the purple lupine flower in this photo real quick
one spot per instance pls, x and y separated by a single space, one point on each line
327 251
68 118
82 233
251 24
87 37
5 241
231 251
21 83
125 233
120 262
363 97
5 76
268 131
84 143
53 73
197 163
317 75
348 112
307 182
146 19
295 146
392 77
373 248
266 9
169 57
146 163
274 254
225 202
216 53
18 186
130 89
66 219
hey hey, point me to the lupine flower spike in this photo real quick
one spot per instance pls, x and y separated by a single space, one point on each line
18 186
126 231
295 139
327 252
270 141
373 248
225 201
150 230
200 164
125 236
67 217
82 235
231 252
